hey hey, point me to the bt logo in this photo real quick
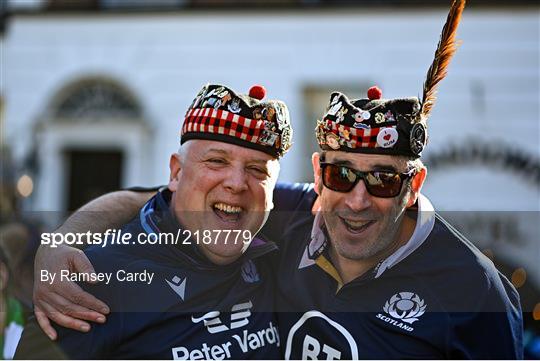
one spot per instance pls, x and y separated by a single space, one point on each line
312 350
332 340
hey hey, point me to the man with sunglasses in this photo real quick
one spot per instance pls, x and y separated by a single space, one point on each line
376 273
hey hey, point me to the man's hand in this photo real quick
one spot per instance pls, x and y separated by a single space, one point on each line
64 302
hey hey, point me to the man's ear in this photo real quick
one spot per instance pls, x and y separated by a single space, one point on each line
315 157
416 186
175 167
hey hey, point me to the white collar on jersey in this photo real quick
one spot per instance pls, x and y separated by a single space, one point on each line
424 225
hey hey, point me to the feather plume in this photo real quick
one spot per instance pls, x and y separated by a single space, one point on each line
445 51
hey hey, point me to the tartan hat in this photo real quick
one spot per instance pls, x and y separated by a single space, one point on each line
389 126
373 125
218 113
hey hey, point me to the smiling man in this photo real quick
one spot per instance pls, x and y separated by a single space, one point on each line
211 294
218 187
375 273
366 225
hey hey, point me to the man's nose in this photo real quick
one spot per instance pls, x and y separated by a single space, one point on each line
235 180
358 198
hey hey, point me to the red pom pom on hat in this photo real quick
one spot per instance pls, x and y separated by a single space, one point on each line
257 92
374 93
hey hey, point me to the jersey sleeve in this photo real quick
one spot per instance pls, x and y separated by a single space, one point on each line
494 331
487 335
102 339
98 343
291 202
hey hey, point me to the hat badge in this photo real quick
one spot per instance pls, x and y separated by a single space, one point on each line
332 140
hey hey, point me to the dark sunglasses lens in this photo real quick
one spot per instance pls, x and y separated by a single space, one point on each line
383 184
338 178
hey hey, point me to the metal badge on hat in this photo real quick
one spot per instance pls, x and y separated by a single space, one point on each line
418 138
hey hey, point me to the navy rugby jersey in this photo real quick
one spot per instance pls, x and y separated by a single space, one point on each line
192 309
435 297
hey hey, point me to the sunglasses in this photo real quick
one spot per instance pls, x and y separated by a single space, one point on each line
383 184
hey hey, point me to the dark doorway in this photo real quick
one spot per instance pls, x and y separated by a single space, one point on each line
91 174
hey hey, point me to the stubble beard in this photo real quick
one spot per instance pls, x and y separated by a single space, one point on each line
386 241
